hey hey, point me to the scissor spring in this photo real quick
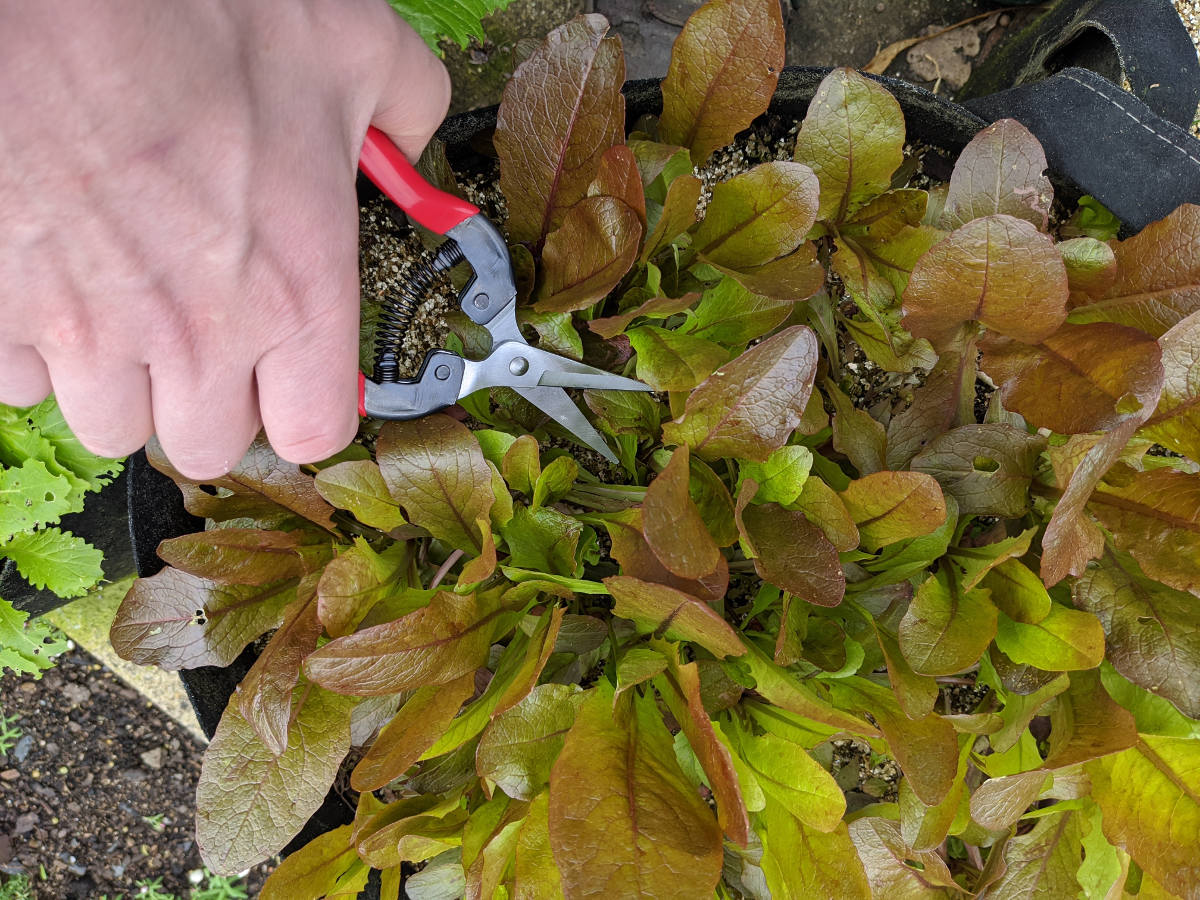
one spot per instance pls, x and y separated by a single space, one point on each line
397 314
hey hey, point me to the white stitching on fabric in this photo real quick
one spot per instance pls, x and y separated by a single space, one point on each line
1150 128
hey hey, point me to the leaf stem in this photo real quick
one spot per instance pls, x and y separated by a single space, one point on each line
445 568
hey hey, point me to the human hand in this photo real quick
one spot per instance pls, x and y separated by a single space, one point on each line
178 219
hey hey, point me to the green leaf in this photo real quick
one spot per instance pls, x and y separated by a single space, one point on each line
788 279
625 412
758 216
856 434
997 270
352 584
732 315
891 506
711 497
555 481
998 803
853 138
543 540
986 468
1158 276
666 612
1002 170
54 560
1176 421
750 407
179 621
519 747
637 665
1018 592
1065 641
26 648
1043 862
436 470
723 70
822 506
781 477
946 629
675 214
316 868
435 645
522 464
674 360
31 496
1152 631
588 254
1151 807
780 687
672 523
69 456
359 487
793 779
657 307
1091 267
550 152
624 820
249 802
455 20
800 862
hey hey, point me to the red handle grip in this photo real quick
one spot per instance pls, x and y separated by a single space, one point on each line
384 164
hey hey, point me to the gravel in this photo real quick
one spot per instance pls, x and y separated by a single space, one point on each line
1189 11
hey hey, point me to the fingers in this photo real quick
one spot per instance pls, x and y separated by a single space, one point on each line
204 423
107 405
415 93
24 379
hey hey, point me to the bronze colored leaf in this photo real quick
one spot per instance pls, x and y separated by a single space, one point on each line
986 468
624 820
1043 862
801 862
856 435
317 868
415 728
1137 614
791 552
1155 517
945 401
250 802
894 870
265 693
789 279
246 555
997 270
358 486
892 506
1176 421
629 548
946 629
758 216
537 653
1158 276
619 177
519 747
656 307
821 505
669 613
1082 378
915 693
1002 170
178 621
749 407
588 254
678 214
354 582
562 110
673 525
998 803
724 68
1086 723
853 138
434 467
434 645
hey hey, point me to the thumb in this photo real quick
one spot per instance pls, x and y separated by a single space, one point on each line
414 92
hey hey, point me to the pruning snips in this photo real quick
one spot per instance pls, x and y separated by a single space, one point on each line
489 299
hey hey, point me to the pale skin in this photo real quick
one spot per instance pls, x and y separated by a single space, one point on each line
178 221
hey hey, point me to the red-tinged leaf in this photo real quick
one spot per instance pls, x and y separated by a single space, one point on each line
261 486
1158 276
1138 613
1083 378
712 498
519 747
723 71
1086 723
537 653
588 254
998 803
1043 862
822 506
684 700
246 555
674 360
1091 268
679 213
800 862
758 216
1151 807
317 868
856 435
534 873
669 613
1067 640
624 819
265 693
1002 170
915 693
355 582
796 781
750 406
780 687
435 468
250 802
178 621
482 566
418 724
358 486
946 629
997 270
788 279
673 525
945 401
655 307
986 468
789 551
1176 421
887 216
894 506
853 138
561 111
619 177
435 645
629 548
1155 517
893 869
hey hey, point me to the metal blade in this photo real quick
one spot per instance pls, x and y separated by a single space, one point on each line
559 371
555 403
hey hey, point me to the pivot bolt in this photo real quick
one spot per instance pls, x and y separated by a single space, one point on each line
481 301
441 373
519 365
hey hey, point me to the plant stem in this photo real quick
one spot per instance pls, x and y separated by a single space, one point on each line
445 568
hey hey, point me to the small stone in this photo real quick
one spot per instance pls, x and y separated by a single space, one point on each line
153 759
118 871
134 775
10 775
26 823
880 7
24 745
76 694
